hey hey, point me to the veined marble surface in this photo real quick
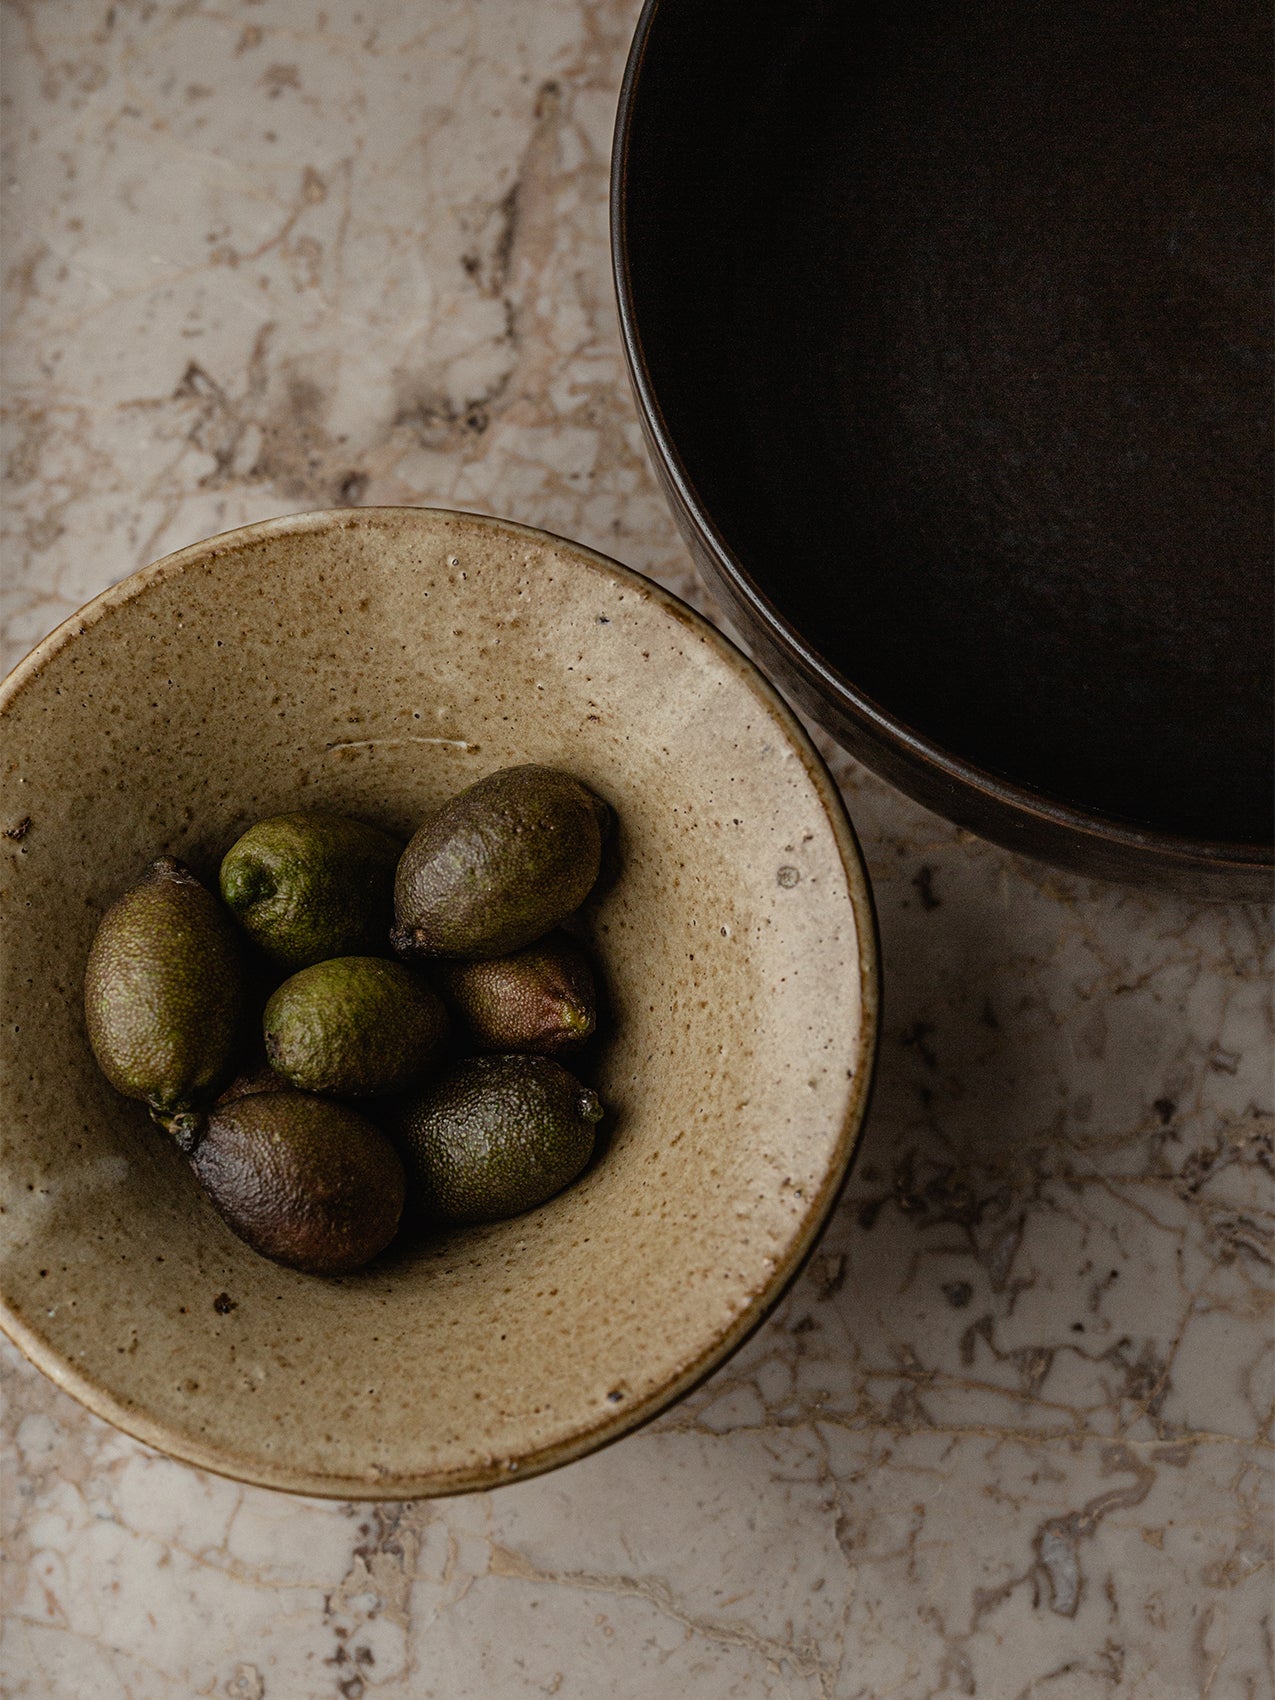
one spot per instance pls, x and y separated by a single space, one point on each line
1010 1436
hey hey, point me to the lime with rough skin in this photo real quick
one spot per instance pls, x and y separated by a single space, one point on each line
355 1026
496 1136
301 1180
498 866
309 886
540 1000
162 993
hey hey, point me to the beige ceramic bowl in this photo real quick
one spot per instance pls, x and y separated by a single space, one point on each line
376 661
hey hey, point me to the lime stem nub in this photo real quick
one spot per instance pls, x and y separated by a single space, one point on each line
186 1126
577 1020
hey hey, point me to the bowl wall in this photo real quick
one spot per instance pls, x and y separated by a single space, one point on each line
950 335
375 662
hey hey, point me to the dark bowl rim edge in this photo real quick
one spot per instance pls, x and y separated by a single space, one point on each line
1021 800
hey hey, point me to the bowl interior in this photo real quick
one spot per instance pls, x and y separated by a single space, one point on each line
956 322
376 662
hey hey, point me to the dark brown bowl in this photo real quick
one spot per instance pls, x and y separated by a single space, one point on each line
948 328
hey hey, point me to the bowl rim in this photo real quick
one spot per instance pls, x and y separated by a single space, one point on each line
279 1475
1078 823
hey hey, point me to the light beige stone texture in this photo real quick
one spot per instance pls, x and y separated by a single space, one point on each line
1010 1435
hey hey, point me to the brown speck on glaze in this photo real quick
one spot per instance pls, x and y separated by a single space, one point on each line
672 1247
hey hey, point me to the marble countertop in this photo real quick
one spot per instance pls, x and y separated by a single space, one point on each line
1010 1436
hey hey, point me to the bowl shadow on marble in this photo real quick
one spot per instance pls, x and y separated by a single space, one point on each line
953 1200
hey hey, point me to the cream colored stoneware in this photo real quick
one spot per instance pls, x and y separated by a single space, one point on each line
376 661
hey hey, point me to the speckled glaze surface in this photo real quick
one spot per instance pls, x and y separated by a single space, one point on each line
374 662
